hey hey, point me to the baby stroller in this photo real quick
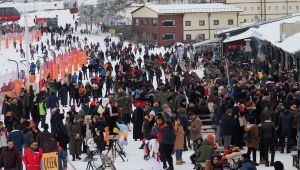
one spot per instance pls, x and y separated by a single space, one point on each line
96 160
151 148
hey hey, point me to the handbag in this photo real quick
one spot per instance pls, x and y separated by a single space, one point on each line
242 121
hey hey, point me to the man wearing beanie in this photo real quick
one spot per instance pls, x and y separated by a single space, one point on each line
278 165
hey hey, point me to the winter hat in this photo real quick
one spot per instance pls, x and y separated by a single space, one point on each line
73 108
226 165
210 138
278 165
93 104
152 113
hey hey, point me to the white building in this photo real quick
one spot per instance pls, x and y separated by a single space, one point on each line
260 10
179 1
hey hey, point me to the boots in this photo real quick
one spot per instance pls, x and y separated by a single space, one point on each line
142 146
182 161
77 157
73 157
170 168
262 161
178 162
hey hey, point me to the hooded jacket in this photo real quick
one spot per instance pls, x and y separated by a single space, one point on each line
32 159
285 120
204 152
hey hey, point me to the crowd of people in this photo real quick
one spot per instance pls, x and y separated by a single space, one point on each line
164 99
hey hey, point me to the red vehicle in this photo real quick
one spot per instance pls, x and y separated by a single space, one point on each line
9 14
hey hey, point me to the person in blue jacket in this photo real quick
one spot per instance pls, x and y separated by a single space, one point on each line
18 139
32 68
75 77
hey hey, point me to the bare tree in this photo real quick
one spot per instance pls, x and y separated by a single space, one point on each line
87 15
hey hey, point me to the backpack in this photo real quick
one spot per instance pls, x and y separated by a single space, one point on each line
101 109
106 111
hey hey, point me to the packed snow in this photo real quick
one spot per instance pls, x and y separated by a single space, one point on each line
135 159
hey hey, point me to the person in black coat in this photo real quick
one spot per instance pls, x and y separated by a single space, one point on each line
227 126
177 82
56 118
53 101
35 113
64 95
268 134
203 108
72 92
28 135
44 136
138 117
99 140
285 124
80 76
61 136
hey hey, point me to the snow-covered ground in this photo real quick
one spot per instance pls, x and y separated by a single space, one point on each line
135 156
34 6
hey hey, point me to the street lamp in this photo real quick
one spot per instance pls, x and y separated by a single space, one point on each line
17 66
226 61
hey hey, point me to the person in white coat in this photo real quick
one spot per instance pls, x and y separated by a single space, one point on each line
3 135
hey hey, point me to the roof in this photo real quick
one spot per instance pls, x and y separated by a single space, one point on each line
244 26
269 31
290 44
214 40
191 8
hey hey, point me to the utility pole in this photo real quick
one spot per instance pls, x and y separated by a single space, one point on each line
27 45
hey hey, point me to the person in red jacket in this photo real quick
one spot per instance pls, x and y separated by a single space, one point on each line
32 156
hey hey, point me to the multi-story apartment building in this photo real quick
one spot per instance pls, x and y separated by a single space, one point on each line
262 10
179 1
167 24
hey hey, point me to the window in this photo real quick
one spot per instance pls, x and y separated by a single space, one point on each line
297 7
283 7
201 23
169 36
137 22
169 23
154 22
187 23
216 22
201 37
290 7
252 8
245 20
230 22
245 8
276 7
252 20
143 22
270 7
258 8
188 37
154 36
